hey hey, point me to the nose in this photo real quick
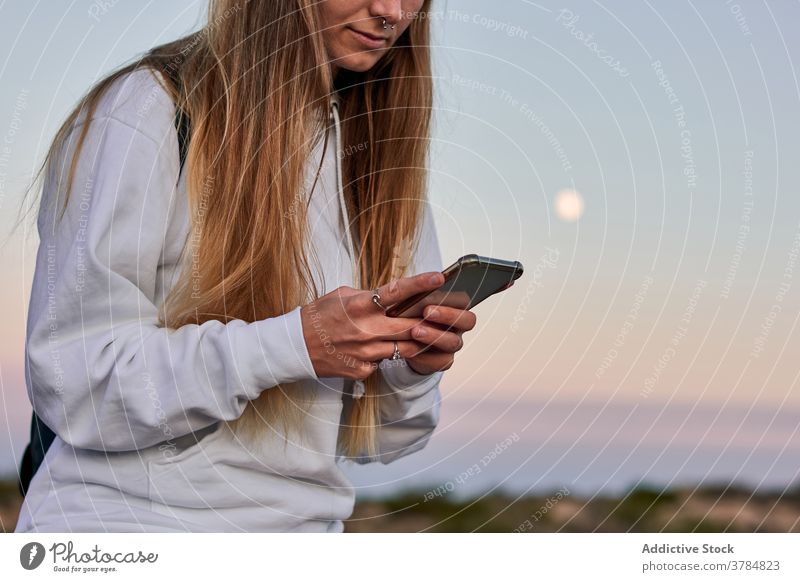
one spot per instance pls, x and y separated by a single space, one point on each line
391 10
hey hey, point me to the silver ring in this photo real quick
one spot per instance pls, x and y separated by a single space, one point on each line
384 24
376 299
396 354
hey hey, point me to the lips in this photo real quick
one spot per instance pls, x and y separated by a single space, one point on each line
368 35
368 41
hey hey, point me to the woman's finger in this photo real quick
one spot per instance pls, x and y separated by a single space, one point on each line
400 289
430 362
384 350
452 317
446 341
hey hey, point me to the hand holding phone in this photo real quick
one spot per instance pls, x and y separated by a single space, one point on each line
347 334
468 281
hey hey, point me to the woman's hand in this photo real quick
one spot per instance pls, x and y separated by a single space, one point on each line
346 334
443 343
441 346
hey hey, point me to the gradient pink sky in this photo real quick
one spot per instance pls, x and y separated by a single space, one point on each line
657 268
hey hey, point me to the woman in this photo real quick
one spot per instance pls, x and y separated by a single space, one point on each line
207 351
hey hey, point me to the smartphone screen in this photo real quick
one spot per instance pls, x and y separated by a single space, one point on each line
468 281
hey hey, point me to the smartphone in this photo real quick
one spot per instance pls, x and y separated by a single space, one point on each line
467 282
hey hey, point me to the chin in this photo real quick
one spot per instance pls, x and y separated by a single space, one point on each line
358 63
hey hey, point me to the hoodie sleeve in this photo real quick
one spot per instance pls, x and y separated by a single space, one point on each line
409 402
101 372
409 411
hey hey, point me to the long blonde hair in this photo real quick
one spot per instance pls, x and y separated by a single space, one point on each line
253 82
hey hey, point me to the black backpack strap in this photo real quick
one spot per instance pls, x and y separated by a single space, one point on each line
183 128
41 439
182 123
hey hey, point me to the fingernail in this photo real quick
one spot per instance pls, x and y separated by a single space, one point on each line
433 312
434 278
420 331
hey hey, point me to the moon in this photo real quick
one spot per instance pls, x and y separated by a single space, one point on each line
569 205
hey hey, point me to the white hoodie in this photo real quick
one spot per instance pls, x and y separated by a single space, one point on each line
136 408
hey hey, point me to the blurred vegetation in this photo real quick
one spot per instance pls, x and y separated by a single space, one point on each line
644 508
